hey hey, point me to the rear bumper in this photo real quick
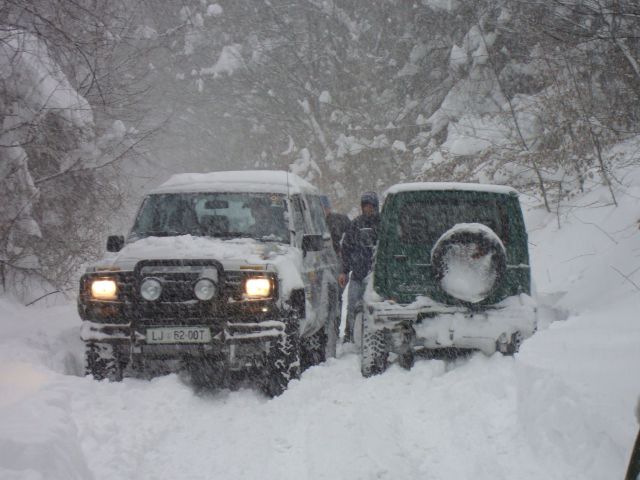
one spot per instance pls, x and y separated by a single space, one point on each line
436 326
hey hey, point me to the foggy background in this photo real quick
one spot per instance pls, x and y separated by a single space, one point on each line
100 101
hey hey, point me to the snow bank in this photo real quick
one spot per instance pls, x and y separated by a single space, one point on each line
38 436
39 440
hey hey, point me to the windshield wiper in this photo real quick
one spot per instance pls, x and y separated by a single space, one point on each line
272 238
161 233
227 235
264 238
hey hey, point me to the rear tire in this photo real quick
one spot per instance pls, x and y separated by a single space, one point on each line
333 323
316 348
102 360
407 360
375 354
313 349
514 344
283 360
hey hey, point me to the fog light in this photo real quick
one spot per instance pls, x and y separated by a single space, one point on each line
150 289
204 289
257 287
104 289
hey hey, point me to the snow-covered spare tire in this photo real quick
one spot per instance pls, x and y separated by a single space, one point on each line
468 260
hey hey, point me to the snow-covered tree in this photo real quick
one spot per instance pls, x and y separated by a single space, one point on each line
62 135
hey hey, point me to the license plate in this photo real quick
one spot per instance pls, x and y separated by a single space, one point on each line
179 335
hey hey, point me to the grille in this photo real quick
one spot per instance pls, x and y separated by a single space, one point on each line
233 284
177 303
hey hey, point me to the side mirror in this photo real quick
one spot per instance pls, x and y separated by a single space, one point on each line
115 243
367 237
312 243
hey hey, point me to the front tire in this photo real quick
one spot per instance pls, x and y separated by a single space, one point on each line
375 354
283 360
204 374
102 360
333 323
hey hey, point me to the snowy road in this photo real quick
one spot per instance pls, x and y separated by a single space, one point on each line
477 420
542 415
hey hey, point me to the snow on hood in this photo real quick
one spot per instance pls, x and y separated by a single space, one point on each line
233 254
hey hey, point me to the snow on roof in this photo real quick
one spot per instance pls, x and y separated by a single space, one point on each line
263 181
473 187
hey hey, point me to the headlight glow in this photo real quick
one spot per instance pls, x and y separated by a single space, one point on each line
204 289
104 289
257 287
150 289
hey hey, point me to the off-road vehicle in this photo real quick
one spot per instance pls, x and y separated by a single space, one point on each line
223 275
451 275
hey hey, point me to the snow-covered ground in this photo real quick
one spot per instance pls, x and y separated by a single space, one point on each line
563 408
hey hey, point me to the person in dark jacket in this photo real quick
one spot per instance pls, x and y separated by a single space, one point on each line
337 224
357 256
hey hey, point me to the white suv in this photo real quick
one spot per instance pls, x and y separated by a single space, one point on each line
226 275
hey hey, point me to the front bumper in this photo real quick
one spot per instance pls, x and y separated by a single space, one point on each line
435 326
236 345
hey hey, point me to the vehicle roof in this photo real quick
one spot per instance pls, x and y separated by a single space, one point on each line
259 181
450 186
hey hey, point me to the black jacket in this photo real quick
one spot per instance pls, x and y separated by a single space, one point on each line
337 225
357 258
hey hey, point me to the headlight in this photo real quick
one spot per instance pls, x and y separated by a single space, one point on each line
204 289
104 289
257 287
150 289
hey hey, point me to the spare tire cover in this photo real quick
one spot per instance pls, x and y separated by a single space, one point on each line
468 261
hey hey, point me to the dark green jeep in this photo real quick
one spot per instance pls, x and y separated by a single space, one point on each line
451 275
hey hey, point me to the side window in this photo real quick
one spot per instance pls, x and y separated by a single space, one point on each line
297 209
316 213
144 218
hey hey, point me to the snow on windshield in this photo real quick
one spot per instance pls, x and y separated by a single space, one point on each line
214 214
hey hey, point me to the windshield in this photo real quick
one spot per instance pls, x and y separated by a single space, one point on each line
226 215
